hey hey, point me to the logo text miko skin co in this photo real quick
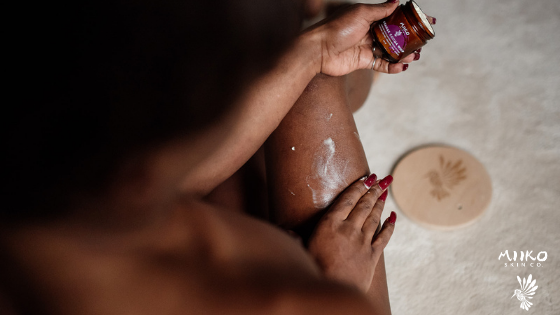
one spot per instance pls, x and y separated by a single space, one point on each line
524 258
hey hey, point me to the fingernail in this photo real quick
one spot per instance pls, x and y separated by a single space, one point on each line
370 181
393 1
433 20
393 218
418 50
383 196
416 56
385 182
405 66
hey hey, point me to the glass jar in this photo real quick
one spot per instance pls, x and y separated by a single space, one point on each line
401 33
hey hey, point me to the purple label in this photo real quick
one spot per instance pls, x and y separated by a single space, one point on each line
397 35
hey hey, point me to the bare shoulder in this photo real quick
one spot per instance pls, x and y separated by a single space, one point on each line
199 261
324 298
332 299
274 274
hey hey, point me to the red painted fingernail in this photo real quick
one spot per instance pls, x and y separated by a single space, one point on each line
433 20
418 50
385 182
383 196
393 1
405 66
370 181
393 218
416 56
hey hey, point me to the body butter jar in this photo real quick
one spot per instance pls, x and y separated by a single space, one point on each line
402 32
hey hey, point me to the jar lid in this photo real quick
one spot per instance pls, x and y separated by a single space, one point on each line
441 187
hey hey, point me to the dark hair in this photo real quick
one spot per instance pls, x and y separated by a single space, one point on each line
98 81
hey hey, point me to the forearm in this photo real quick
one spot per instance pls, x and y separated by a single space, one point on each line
260 110
336 48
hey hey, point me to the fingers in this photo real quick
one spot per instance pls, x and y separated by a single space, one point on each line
384 236
372 13
372 221
431 19
366 41
365 57
410 58
366 60
363 208
376 12
385 66
344 204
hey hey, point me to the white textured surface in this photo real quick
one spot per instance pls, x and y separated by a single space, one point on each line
489 83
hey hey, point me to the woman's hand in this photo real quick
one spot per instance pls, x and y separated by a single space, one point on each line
345 42
344 243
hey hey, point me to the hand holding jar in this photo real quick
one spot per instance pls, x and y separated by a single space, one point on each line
403 32
349 40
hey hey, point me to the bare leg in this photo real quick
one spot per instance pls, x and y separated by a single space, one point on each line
240 191
245 190
313 156
358 85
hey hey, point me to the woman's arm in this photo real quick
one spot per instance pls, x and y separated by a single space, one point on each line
257 114
335 47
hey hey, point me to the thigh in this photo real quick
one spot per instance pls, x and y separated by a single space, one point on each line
313 155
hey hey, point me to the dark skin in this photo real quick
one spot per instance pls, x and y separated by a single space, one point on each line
153 245
324 111
319 124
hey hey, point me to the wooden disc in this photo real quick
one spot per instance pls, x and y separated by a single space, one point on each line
441 187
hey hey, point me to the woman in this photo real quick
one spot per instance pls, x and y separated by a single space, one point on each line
139 111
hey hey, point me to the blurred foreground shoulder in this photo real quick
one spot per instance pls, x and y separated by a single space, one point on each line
325 298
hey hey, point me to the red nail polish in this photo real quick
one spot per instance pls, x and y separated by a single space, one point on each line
383 196
370 181
405 66
395 1
418 50
433 20
393 218
385 182
416 56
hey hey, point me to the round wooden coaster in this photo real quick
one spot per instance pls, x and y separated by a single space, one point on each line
441 187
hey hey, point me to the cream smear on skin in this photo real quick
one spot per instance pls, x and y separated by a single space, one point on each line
329 175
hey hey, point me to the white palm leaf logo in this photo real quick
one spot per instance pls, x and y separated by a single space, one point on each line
528 288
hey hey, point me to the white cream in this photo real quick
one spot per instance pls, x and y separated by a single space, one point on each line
329 175
423 17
